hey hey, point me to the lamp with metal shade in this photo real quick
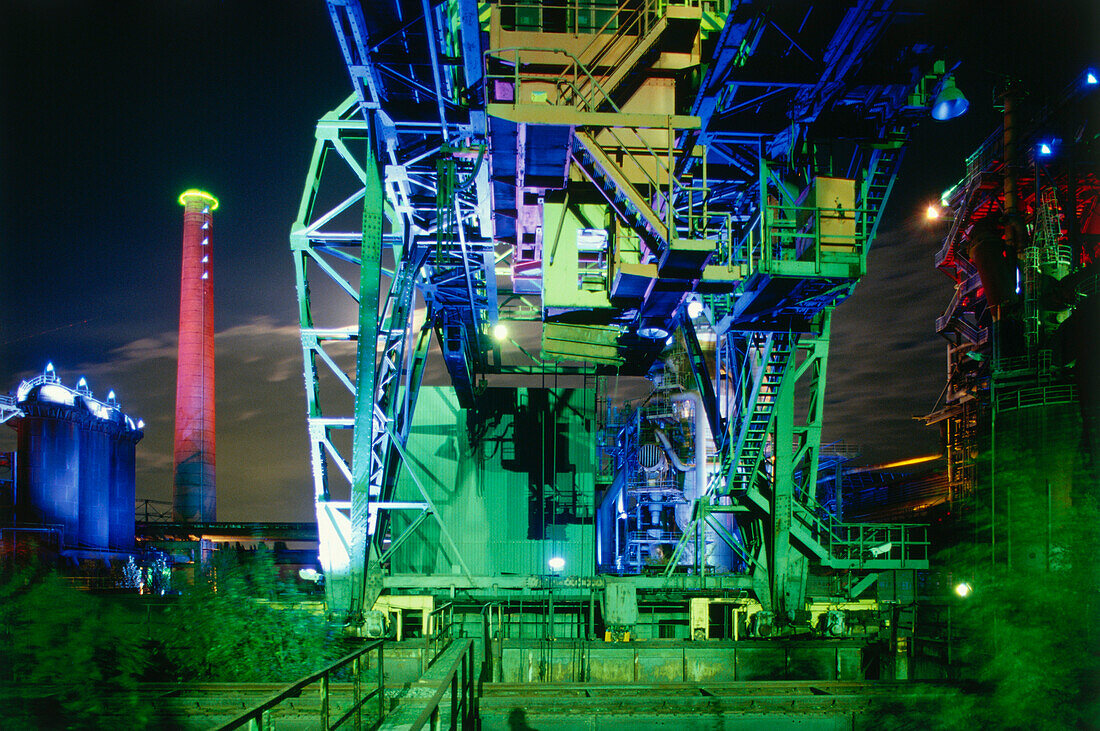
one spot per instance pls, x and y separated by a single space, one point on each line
949 102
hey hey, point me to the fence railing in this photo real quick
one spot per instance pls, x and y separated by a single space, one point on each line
440 623
259 717
1037 396
460 683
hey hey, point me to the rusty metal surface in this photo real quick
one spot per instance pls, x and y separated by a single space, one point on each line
725 706
676 661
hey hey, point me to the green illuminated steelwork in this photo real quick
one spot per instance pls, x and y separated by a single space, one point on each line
767 475
323 243
365 462
645 232
376 408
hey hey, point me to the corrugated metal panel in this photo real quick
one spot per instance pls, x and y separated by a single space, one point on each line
486 505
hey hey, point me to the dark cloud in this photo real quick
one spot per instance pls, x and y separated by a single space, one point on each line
886 363
263 469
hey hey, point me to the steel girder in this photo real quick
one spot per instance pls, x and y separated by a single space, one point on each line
418 77
405 136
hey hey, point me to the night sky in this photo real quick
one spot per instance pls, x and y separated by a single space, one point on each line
109 110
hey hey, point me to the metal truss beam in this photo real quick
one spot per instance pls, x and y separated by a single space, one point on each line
381 136
701 196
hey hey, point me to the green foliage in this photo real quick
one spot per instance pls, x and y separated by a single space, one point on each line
241 624
69 657
924 708
72 659
131 575
1029 633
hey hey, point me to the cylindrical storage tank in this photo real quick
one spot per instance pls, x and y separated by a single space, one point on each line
75 465
95 462
122 490
48 469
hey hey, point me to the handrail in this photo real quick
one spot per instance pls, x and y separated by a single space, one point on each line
640 16
462 692
439 631
1037 396
769 235
573 83
257 717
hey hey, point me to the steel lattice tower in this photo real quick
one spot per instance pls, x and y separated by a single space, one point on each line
193 492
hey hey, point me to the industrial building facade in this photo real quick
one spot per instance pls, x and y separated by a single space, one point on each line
580 197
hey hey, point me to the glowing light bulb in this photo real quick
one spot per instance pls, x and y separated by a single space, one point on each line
1090 78
695 308
1044 148
557 563
963 589
500 332
932 212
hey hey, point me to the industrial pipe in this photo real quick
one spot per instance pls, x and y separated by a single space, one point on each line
700 442
670 452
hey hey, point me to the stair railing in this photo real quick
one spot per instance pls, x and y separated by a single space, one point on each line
667 188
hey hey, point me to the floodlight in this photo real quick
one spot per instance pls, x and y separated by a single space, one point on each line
653 333
950 102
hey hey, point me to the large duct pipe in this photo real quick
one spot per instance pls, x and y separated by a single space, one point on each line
671 453
700 442
720 556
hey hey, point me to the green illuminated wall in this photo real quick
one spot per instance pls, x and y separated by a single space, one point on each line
513 483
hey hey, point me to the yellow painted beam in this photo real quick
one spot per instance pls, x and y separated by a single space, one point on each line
567 116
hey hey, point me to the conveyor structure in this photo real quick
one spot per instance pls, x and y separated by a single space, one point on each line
563 195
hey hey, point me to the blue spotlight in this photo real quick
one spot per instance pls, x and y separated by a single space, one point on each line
1045 149
949 102
1090 77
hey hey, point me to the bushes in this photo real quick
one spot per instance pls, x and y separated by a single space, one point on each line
71 659
69 655
241 624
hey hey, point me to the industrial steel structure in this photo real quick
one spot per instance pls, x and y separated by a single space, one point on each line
194 493
567 197
1022 374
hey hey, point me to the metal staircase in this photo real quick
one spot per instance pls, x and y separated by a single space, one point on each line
621 194
835 544
882 170
750 432
633 40
852 545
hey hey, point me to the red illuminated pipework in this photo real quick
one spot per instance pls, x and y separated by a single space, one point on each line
193 491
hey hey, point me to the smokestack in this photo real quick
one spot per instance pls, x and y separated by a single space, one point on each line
193 494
